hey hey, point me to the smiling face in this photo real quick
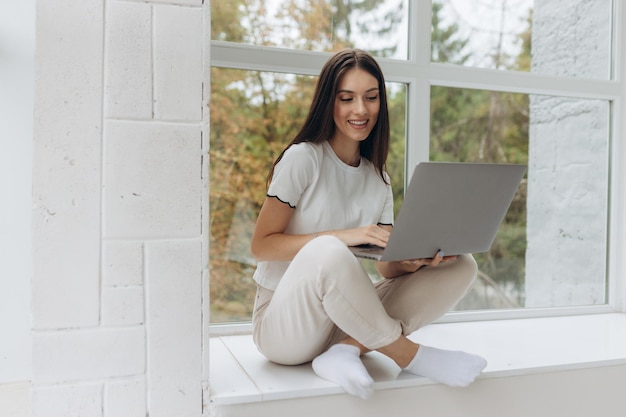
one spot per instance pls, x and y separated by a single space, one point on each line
357 104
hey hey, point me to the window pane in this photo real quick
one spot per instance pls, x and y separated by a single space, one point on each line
379 26
253 116
551 248
557 37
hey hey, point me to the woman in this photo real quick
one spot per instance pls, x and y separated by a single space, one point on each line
328 190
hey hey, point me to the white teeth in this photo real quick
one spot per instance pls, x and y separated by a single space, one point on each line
354 122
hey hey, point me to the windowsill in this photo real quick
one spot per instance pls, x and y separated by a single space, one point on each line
240 374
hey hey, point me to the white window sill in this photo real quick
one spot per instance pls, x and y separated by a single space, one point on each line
240 374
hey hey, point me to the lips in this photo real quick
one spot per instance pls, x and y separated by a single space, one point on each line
358 123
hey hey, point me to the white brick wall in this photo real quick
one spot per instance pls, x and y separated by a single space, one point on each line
15 399
122 306
122 263
117 286
572 38
76 355
67 160
128 88
126 398
178 66
147 186
174 326
76 400
568 169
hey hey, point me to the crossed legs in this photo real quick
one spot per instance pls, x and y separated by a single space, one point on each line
325 287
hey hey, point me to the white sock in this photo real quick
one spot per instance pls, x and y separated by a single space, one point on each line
342 365
453 368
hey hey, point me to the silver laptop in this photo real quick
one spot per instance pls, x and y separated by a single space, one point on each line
456 207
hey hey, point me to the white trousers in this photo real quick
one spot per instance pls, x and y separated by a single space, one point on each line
325 294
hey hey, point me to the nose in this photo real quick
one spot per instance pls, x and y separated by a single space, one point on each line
360 107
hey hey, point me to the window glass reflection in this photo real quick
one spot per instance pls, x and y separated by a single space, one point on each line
556 37
378 26
556 225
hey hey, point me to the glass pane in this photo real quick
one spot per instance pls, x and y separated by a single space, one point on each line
550 250
562 37
253 116
379 26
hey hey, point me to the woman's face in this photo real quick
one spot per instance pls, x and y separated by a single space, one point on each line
357 104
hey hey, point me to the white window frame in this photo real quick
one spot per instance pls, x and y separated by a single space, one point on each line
420 74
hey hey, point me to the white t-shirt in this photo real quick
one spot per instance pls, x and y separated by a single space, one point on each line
327 194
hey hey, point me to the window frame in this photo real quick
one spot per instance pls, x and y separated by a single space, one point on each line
420 74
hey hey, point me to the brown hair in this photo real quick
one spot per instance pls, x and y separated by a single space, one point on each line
319 125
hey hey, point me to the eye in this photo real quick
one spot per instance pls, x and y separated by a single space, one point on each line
345 99
372 98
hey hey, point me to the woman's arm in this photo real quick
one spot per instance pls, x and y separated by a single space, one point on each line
270 243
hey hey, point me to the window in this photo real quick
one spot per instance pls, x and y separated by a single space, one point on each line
561 206
558 38
375 25
534 88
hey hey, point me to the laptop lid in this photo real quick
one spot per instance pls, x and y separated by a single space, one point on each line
451 206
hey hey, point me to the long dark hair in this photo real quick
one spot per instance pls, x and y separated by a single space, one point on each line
319 125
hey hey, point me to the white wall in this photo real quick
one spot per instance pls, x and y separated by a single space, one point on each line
116 213
17 34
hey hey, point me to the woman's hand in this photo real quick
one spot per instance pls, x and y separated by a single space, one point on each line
434 261
398 268
367 235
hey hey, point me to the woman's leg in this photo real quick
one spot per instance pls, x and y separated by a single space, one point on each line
453 368
415 300
418 299
324 287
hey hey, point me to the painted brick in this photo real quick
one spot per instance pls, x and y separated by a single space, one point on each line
125 399
179 2
67 164
174 328
568 160
122 263
88 354
15 399
178 63
571 38
128 75
152 180
67 401
122 306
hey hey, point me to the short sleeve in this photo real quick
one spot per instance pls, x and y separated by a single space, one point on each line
293 173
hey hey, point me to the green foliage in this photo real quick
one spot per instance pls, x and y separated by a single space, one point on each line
396 159
446 46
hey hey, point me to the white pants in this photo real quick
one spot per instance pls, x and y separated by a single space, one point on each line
326 294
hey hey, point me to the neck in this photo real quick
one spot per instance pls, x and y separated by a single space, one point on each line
347 152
